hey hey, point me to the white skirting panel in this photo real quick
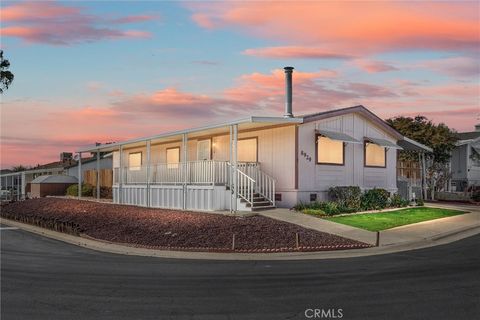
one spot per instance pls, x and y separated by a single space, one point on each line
135 194
205 198
170 197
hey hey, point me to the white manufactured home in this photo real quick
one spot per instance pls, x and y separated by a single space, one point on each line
256 162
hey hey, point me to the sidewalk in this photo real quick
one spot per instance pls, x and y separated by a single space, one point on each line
431 229
404 234
322 225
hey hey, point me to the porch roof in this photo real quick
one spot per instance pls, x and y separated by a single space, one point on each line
412 145
250 123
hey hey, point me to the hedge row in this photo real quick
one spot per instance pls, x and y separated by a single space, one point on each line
350 199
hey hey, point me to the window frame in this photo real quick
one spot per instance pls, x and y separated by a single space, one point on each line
328 163
176 164
211 148
141 161
365 156
256 149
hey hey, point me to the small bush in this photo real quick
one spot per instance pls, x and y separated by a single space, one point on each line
420 202
476 196
348 197
331 208
106 192
314 212
87 190
375 199
396 201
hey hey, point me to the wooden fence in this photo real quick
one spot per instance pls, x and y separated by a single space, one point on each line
106 177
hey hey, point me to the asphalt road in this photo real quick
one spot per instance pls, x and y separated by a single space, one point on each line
47 279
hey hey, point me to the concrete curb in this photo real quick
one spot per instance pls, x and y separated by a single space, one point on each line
126 250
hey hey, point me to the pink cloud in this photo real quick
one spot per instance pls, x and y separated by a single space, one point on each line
295 52
372 66
58 24
346 27
125 116
454 66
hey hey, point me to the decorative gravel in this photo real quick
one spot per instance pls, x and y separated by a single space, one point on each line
174 229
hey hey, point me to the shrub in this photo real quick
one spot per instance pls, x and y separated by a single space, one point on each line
476 196
348 197
315 212
396 201
87 190
420 202
375 199
329 208
106 192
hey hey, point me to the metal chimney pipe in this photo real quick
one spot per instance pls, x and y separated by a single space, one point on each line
288 92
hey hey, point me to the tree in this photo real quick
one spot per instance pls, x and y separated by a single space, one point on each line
6 77
19 168
439 137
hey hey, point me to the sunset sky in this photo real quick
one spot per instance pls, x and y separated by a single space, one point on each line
89 72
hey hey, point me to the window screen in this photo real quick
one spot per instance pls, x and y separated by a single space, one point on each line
173 157
247 150
329 151
375 155
135 161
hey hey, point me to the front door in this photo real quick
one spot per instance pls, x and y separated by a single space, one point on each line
204 149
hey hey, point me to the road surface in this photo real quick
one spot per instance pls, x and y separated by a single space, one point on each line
43 278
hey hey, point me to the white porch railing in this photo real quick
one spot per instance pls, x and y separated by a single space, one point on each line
250 179
191 172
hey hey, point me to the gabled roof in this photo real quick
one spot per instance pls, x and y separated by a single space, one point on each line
467 135
57 178
356 109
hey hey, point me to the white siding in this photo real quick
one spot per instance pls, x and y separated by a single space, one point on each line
315 178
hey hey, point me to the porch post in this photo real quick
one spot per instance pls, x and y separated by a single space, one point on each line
184 166
235 165
120 176
24 185
98 175
424 169
80 175
230 170
148 172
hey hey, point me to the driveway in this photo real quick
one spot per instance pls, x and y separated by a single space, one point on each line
43 278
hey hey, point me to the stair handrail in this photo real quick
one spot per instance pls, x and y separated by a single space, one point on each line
265 186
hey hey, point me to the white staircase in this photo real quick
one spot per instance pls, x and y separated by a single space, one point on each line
255 189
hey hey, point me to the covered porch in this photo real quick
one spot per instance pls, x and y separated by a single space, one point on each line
223 167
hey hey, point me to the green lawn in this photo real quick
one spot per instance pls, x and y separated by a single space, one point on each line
391 219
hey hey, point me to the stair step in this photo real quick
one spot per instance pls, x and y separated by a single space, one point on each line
263 208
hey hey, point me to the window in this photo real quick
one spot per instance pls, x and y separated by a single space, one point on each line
173 158
247 150
134 161
330 151
375 155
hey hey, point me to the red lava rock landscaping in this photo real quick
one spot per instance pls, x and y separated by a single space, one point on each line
173 229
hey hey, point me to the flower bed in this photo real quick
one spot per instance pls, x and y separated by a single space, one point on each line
171 229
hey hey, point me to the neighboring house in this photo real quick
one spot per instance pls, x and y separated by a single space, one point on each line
19 182
465 161
90 164
258 162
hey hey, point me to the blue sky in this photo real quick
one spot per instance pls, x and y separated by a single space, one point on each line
103 71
